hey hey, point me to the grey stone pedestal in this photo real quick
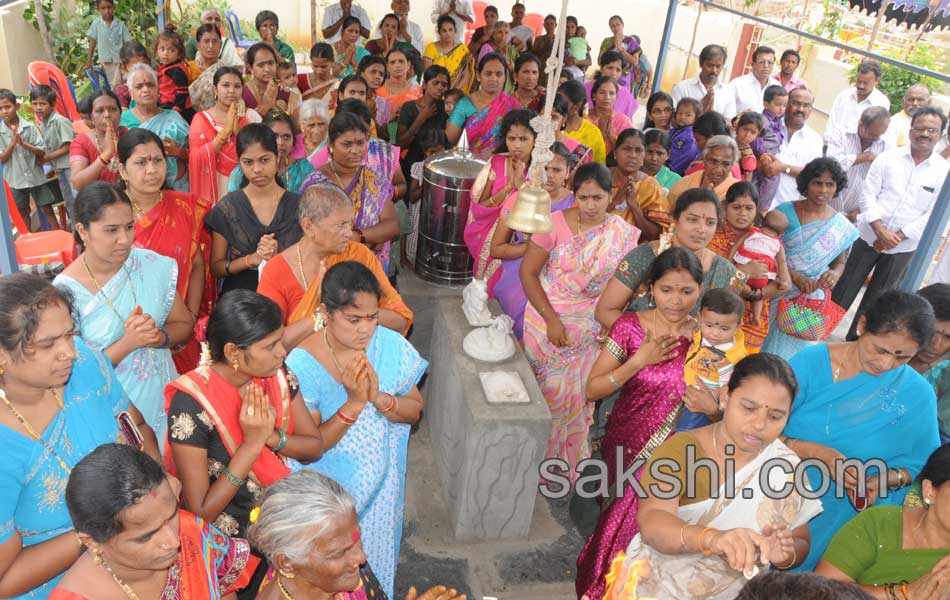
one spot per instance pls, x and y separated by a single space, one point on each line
487 454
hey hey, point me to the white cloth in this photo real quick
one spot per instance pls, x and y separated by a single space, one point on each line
845 148
525 34
415 33
334 12
898 132
797 151
748 92
462 7
724 101
846 110
901 195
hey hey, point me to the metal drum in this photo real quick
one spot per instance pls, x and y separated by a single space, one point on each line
441 254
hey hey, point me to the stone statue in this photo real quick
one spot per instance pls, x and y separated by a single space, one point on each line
493 343
504 387
475 303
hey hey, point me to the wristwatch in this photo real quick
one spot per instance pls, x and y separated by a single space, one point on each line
788 170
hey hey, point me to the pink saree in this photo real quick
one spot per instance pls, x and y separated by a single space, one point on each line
577 271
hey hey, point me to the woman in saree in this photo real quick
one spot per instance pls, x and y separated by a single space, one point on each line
202 89
126 301
695 218
235 420
480 113
251 225
59 400
501 176
292 172
720 155
500 44
310 533
398 88
262 92
508 246
527 73
739 210
611 65
448 52
138 542
320 82
563 274
657 144
816 244
292 279
636 196
375 221
861 400
347 52
636 70
314 121
576 126
92 154
169 223
873 552
580 153
706 544
167 124
212 137
422 115
359 381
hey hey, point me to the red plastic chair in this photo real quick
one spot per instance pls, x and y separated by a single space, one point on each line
44 73
45 247
478 7
15 217
535 22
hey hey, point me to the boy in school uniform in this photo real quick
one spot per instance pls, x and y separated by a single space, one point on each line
21 148
106 35
57 135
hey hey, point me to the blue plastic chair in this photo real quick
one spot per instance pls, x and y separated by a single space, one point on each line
234 27
98 79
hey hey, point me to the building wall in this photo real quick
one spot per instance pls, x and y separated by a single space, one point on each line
20 44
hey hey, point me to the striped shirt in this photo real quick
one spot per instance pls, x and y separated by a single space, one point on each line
845 148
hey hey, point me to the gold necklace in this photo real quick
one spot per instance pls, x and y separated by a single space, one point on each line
123 585
29 428
135 301
339 182
283 590
326 338
303 275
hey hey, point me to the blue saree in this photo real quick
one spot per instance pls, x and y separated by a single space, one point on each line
809 250
32 481
370 460
170 124
148 280
892 416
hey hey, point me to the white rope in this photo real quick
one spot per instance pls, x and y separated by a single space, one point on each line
542 124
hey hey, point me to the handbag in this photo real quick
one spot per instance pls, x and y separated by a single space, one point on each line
810 319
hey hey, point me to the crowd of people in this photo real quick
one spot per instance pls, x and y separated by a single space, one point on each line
233 316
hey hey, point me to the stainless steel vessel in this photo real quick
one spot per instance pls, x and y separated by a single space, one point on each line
441 254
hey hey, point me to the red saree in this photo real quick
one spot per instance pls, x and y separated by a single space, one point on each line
754 330
204 165
222 402
175 228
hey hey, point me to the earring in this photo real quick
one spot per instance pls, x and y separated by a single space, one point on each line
286 575
1 370
319 321
234 364
927 501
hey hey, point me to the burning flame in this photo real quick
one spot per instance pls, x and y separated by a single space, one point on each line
623 577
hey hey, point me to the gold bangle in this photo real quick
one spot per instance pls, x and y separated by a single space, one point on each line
794 559
682 540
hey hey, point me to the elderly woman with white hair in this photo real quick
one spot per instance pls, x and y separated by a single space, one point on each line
719 156
314 117
167 124
308 530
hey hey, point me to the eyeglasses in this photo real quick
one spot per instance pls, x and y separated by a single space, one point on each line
930 130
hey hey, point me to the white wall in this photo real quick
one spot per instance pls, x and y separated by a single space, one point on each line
20 44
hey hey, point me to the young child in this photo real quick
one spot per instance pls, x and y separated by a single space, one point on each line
769 143
432 141
106 35
718 345
173 74
683 149
578 49
451 98
57 135
130 54
287 79
765 244
84 108
749 126
21 148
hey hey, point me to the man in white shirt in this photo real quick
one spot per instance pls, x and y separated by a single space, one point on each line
801 145
409 31
749 88
711 93
335 14
855 152
899 194
522 36
850 103
917 96
461 12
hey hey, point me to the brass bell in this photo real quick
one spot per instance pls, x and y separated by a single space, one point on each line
532 210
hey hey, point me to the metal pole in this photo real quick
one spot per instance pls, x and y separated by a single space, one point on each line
929 241
8 262
664 46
